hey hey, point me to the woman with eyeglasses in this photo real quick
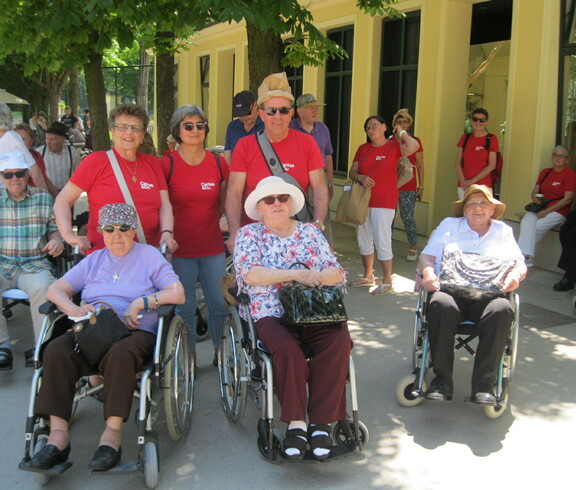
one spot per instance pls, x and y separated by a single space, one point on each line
141 174
197 186
375 166
312 394
477 152
135 280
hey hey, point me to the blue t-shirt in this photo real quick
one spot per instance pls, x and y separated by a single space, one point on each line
235 131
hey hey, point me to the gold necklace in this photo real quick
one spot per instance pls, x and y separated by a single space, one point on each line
134 179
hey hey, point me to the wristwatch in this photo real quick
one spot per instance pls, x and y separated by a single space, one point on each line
320 224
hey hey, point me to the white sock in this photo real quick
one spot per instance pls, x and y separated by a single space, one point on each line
296 424
319 451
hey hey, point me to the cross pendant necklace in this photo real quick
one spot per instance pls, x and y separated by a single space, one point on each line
134 179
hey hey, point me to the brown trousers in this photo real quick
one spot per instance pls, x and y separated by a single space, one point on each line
63 367
324 375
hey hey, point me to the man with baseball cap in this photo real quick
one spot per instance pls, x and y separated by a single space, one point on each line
61 158
27 236
248 122
307 122
299 154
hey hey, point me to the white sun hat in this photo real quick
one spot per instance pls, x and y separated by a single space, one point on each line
273 186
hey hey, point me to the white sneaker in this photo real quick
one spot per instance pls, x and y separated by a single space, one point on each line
412 255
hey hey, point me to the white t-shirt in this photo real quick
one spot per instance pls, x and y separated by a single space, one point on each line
11 141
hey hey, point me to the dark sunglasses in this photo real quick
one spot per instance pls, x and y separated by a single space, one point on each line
189 126
271 111
269 200
18 174
112 228
479 119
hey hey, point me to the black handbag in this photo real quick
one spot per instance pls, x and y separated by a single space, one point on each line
95 335
473 276
310 307
536 207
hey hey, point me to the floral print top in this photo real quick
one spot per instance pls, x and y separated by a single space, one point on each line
257 246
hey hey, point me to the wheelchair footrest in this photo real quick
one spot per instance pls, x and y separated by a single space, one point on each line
336 452
57 469
122 467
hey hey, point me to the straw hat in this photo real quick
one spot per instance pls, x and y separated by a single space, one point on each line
458 206
273 186
275 85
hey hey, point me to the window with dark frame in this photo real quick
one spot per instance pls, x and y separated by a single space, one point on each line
338 96
566 119
205 81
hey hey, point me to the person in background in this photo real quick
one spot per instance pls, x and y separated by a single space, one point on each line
474 162
412 190
557 184
248 121
70 120
172 145
307 122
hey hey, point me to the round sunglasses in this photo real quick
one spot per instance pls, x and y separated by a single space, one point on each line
112 228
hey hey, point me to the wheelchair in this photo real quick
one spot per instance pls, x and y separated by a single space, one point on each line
411 389
245 370
167 379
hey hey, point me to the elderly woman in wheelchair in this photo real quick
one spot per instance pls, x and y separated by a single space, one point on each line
135 280
474 236
263 254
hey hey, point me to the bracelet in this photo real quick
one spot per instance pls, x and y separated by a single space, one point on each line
156 300
402 132
168 231
146 304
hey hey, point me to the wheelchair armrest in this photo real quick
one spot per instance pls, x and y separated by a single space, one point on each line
165 310
47 307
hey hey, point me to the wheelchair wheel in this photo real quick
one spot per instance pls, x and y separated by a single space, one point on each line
151 466
496 411
41 439
342 435
513 350
277 440
404 391
178 379
232 369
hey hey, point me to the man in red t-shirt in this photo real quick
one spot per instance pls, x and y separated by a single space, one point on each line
473 162
298 152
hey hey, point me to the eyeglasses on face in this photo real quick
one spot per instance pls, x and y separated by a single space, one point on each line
271 111
269 200
479 119
189 126
372 127
112 228
129 127
477 204
559 155
18 174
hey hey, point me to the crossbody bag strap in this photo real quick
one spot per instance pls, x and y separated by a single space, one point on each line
126 193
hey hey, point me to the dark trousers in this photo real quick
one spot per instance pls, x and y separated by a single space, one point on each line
567 261
493 319
324 375
63 367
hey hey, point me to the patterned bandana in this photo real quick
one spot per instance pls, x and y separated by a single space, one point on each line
118 214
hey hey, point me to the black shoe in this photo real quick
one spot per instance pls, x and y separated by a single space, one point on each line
105 458
49 456
29 357
440 390
8 315
5 358
564 285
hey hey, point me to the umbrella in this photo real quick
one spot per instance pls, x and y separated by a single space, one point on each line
8 98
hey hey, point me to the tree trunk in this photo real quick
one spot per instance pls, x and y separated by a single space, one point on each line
54 84
74 91
265 50
143 75
165 87
97 102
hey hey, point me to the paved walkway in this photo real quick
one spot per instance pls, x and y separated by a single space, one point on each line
432 446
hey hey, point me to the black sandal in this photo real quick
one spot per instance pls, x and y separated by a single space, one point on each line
295 439
6 359
319 435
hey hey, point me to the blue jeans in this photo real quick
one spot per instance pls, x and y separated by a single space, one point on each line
209 271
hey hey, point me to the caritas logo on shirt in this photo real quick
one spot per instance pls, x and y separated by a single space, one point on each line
206 186
287 166
146 186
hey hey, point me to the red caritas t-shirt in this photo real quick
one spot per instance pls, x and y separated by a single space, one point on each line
298 153
95 176
411 185
381 164
554 184
194 194
475 157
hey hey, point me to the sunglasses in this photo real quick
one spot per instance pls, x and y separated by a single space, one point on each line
18 174
112 228
479 119
271 111
126 127
189 126
269 200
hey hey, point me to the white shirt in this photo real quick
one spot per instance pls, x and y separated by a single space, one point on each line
60 166
498 242
11 141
